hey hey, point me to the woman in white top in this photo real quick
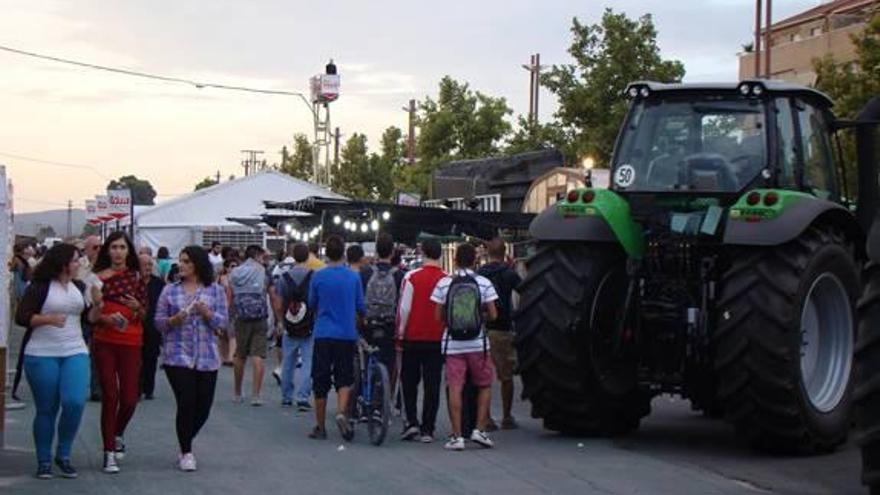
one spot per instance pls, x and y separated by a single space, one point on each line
56 359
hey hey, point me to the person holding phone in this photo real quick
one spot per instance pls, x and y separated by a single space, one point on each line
118 338
191 314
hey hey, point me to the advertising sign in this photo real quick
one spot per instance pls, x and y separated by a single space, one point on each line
119 203
92 212
103 207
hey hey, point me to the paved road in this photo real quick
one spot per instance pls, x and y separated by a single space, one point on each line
244 449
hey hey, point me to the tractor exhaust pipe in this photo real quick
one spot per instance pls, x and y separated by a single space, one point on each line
867 157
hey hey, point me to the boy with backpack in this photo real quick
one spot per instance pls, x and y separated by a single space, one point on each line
501 331
462 298
295 319
381 293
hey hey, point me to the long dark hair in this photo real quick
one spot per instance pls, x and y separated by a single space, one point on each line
54 262
103 261
201 263
163 253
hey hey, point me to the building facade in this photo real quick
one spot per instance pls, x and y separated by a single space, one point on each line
796 42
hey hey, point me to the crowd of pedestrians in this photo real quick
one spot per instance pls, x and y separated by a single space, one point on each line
105 310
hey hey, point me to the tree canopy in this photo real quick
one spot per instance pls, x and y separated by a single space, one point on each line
205 183
298 164
607 56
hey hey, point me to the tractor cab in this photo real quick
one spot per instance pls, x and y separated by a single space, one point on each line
721 140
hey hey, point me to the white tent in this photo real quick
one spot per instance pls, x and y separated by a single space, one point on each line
201 217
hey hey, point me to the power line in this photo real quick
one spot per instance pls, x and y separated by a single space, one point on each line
127 72
57 164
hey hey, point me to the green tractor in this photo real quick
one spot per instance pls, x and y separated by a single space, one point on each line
722 265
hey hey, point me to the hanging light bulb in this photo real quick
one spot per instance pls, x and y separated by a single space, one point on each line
386 215
374 225
337 219
287 228
364 228
346 224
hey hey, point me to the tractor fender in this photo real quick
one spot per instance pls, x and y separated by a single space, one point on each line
605 218
873 246
789 222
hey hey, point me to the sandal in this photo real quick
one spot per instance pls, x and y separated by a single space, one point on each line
318 433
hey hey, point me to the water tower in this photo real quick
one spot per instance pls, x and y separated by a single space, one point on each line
325 89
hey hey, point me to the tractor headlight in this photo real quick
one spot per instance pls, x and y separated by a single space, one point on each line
744 89
633 92
757 90
644 92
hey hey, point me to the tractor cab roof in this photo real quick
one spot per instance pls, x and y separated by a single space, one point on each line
768 86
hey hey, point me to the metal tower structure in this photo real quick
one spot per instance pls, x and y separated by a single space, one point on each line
325 89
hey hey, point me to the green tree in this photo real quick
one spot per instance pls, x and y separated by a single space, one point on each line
206 182
142 192
45 232
298 164
851 85
351 176
607 56
89 229
532 137
460 123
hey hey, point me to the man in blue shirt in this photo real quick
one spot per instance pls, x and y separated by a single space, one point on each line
337 295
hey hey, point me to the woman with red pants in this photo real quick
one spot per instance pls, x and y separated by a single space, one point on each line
118 337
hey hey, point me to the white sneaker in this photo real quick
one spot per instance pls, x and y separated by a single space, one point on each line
454 443
426 438
482 439
188 462
119 446
410 433
110 466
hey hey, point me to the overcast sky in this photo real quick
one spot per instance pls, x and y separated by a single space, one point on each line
388 51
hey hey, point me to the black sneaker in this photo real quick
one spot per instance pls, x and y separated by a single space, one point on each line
67 471
44 471
287 403
303 406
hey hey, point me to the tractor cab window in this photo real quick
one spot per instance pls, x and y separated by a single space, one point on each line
708 144
816 151
786 143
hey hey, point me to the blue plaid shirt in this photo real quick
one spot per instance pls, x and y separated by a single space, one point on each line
194 343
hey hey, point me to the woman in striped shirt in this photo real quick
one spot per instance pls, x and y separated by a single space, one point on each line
189 314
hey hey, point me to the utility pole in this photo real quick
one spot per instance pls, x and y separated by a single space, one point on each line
69 218
768 48
534 69
218 176
336 137
757 38
411 136
250 163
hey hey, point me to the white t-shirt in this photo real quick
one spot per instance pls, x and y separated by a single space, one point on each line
487 295
51 341
216 261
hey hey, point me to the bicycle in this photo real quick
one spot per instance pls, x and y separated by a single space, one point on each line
372 386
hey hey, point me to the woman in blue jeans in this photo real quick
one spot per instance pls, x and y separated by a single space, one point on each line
56 359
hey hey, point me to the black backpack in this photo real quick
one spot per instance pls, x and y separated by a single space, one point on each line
464 316
299 318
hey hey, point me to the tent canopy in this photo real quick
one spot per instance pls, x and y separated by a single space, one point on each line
181 221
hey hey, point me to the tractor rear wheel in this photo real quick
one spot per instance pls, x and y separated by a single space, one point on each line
572 371
867 394
784 342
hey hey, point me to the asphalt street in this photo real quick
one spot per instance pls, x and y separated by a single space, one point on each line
245 449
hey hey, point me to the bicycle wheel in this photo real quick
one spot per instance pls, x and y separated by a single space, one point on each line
379 408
